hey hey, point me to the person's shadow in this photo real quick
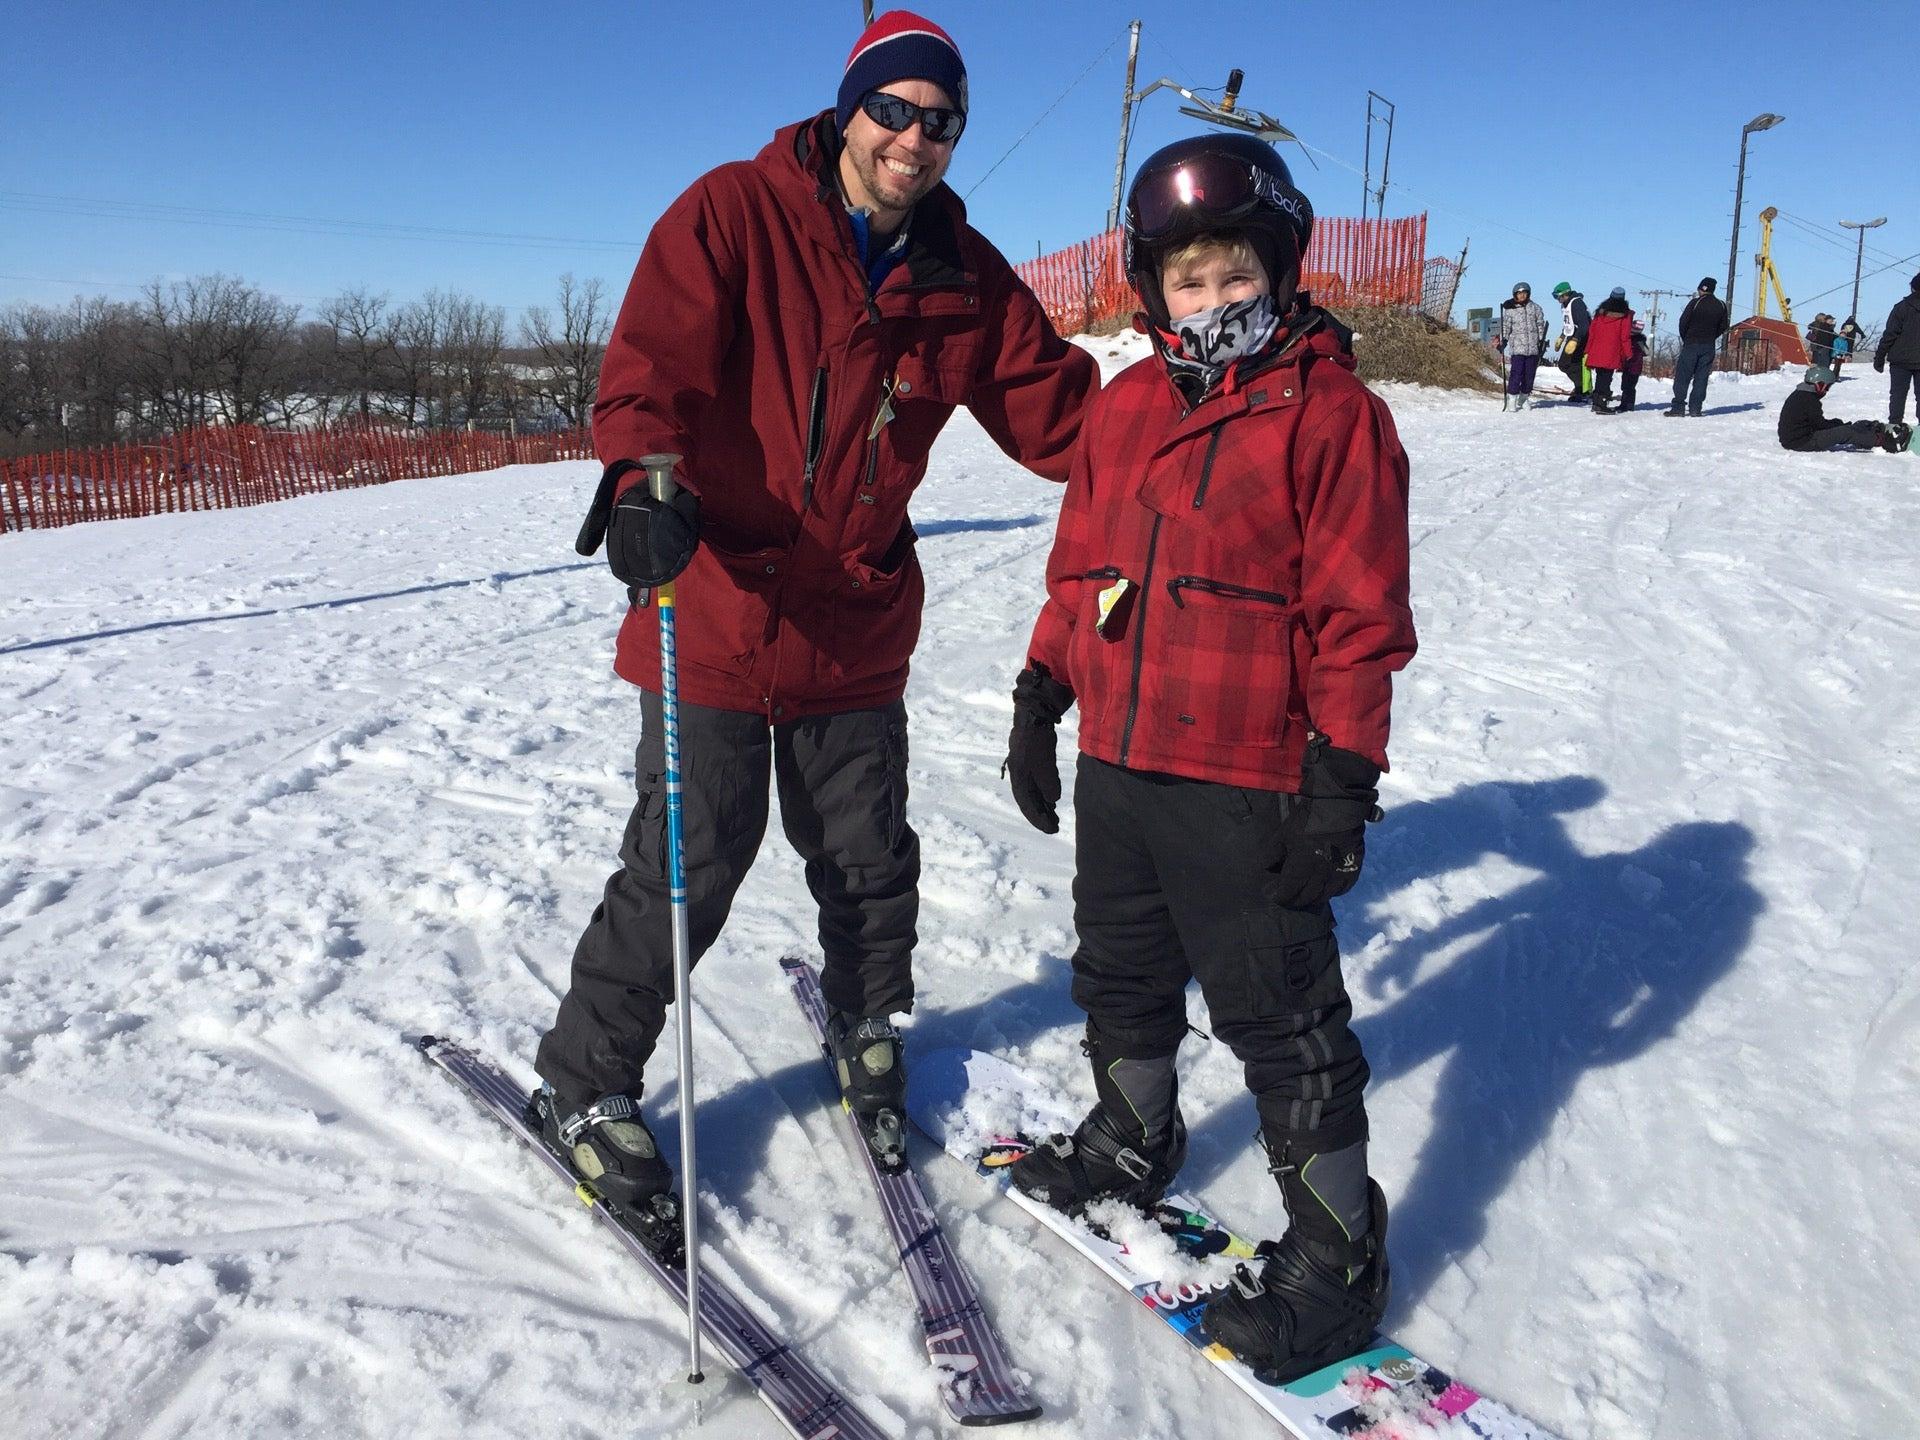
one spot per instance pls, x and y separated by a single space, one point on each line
1587 964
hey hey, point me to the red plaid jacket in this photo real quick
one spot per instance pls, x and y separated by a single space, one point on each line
1250 558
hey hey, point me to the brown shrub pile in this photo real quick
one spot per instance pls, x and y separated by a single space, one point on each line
1397 345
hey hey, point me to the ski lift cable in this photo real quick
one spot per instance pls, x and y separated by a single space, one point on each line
1847 284
1468 215
1045 113
1825 234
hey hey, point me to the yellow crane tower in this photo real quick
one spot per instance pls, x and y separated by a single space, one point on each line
1764 271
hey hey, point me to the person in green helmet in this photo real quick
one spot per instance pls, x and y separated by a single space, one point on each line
1571 348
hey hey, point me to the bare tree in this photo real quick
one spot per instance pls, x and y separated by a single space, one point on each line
417 330
476 334
569 368
30 365
100 382
364 342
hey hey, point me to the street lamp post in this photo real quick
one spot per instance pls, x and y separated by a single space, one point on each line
1860 250
1759 122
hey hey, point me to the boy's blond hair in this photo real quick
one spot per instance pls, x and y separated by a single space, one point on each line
1234 244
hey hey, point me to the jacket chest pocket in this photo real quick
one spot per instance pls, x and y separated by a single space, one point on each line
1235 679
913 406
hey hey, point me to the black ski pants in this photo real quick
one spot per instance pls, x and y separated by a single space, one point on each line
843 801
1903 378
1845 435
1174 880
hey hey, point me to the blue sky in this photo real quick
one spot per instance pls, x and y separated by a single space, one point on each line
1595 144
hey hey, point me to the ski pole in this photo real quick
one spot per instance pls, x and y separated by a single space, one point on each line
660 485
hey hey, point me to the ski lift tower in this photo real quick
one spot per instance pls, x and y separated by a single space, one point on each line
1227 114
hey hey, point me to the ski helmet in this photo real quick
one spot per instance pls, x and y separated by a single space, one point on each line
1522 289
1820 375
1562 290
1208 184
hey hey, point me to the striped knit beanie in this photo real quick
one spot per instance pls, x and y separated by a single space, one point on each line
901 45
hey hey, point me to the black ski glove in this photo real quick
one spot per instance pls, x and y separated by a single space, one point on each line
1032 767
1326 831
650 541
1879 364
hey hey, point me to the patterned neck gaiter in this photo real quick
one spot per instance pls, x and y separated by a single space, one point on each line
1203 345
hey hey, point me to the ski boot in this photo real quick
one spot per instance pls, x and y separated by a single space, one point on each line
867 1058
1316 1295
1129 1147
1896 436
609 1147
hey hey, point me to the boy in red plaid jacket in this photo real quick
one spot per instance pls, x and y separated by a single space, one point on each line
1227 601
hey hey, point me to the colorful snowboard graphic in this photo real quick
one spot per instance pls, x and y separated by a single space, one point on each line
984 1112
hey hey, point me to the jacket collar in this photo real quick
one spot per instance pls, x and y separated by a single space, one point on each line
1273 380
802 161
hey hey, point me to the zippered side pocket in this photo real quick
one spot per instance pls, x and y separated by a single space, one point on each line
816 435
1220 587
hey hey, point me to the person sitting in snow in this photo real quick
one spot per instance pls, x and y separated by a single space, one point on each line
1804 424
1227 602
1609 346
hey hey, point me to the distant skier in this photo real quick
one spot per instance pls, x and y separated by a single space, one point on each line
1609 346
1227 601
1820 339
1804 424
1571 347
1702 323
1846 343
1636 364
1522 338
799 329
1899 350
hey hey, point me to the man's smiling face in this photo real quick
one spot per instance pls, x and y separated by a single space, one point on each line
886 172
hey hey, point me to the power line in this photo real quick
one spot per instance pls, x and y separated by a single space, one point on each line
1848 283
104 209
1044 113
1821 231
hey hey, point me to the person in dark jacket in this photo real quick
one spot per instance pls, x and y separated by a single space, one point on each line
798 330
1609 346
1571 348
1846 343
1899 350
1820 341
1804 424
1630 372
1702 323
1227 603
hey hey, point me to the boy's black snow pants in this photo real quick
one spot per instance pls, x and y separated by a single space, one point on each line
1174 881
843 802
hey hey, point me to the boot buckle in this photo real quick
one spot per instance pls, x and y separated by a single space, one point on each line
1250 1286
1135 1164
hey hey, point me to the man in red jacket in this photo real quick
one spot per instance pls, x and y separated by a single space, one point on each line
1227 602
799 328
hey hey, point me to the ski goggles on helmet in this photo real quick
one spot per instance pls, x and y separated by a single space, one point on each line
1212 189
890 112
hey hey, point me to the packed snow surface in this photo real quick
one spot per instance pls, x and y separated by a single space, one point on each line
1633 960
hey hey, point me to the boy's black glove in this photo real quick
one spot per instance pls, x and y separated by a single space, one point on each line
1326 831
650 541
1032 768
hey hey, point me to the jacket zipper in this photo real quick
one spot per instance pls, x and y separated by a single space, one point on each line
816 436
1219 587
1206 465
1105 572
1139 639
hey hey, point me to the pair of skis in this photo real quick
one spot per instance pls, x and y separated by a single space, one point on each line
982 1111
977 1381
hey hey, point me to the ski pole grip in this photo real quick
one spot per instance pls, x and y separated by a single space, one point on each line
660 482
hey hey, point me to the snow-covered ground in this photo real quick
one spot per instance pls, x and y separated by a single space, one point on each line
1633 958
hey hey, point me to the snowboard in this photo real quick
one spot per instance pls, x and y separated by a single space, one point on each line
986 1114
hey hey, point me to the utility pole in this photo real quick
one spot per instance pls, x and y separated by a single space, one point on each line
1367 192
1126 125
1764 121
1653 313
1860 250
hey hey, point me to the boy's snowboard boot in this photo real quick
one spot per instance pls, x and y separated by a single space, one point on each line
1897 436
867 1057
1129 1147
1316 1295
610 1148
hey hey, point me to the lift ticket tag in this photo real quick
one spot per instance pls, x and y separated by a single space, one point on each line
1112 612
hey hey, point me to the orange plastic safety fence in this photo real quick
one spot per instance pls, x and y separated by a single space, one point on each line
219 467
1349 262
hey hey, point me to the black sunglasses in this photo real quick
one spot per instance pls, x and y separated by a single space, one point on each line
890 112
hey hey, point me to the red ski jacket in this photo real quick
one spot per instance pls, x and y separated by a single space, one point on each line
804 411
1250 559
1610 339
